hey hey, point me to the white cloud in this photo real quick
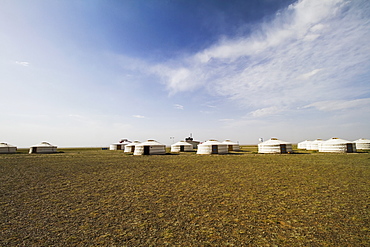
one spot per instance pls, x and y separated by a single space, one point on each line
312 51
179 107
226 120
308 75
138 116
266 111
335 105
26 64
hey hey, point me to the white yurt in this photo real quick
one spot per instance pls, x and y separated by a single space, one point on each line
130 148
6 148
337 145
181 146
362 144
274 146
304 144
212 147
119 145
149 147
232 146
43 148
314 145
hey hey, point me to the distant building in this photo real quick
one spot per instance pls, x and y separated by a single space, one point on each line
6 148
304 144
119 145
212 147
43 148
337 145
192 142
273 146
150 147
362 144
314 145
130 148
181 146
232 146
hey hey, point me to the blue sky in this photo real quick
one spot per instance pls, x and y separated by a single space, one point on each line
88 73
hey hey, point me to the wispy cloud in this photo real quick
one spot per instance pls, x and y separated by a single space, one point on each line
266 111
312 51
226 120
335 105
22 63
179 107
138 116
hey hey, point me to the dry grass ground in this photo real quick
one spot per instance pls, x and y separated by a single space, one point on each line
85 197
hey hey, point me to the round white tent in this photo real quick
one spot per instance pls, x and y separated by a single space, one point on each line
6 148
362 144
130 148
212 147
337 145
43 148
314 145
181 146
232 146
274 146
119 145
304 144
150 147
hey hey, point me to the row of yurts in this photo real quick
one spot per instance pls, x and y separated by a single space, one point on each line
154 147
144 148
273 145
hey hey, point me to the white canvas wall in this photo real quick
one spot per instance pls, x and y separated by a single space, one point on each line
181 146
336 145
274 146
151 146
212 147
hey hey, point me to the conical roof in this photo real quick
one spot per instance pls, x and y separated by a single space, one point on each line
150 143
133 143
230 142
43 144
273 141
212 142
335 140
362 140
181 143
3 144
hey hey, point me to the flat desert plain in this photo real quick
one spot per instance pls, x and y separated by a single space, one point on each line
94 197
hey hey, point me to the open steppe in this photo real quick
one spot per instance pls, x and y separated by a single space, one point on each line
94 197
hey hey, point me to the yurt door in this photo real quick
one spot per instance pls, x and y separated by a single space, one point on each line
119 147
182 148
132 148
230 147
34 150
283 148
214 149
146 150
349 148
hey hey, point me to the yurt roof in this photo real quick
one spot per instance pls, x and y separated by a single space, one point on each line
318 140
150 143
230 142
362 140
274 141
181 143
335 140
133 143
43 144
121 143
212 142
3 144
305 141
